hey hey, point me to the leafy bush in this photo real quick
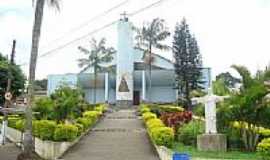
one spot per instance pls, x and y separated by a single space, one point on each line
264 132
144 110
187 134
44 129
20 125
85 122
198 110
163 136
170 108
12 121
176 119
66 100
44 106
80 128
101 108
93 115
148 115
65 132
159 109
263 148
153 123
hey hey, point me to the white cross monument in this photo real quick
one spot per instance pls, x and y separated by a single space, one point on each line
211 140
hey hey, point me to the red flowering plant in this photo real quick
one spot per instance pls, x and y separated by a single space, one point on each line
176 119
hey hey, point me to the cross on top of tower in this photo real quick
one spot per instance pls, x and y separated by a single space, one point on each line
124 16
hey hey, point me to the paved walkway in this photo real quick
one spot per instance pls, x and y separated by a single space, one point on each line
119 136
9 151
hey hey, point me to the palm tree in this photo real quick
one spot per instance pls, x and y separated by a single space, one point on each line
28 139
96 56
148 37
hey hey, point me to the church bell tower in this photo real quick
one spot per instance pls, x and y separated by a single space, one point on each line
124 63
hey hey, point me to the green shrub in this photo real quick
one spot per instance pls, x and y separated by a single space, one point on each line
65 132
101 108
85 122
264 132
144 110
12 121
20 125
263 148
44 129
187 134
153 123
198 110
163 136
148 115
80 128
44 106
93 115
170 108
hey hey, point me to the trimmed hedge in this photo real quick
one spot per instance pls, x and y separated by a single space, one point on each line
65 132
44 129
80 128
153 123
263 149
85 122
148 115
101 108
20 125
144 109
163 136
93 115
159 134
12 121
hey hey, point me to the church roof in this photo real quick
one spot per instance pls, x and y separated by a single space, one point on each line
159 63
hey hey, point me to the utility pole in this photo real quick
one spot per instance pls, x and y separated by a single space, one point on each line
8 95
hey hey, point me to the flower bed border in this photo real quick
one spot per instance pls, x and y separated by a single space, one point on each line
48 150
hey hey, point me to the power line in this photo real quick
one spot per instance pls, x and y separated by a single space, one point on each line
88 22
97 30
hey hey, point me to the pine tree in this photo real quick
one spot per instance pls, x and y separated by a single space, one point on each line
188 63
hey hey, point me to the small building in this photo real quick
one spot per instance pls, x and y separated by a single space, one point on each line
124 80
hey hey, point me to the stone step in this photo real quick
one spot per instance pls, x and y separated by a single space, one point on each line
139 130
121 117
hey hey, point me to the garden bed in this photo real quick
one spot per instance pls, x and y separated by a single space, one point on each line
49 150
232 155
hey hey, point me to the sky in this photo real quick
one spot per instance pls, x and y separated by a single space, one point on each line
228 31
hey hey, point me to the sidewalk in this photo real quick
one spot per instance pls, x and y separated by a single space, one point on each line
119 136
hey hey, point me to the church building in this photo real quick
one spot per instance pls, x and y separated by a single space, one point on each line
127 81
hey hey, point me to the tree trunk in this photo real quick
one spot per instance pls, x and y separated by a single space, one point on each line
95 84
150 72
28 139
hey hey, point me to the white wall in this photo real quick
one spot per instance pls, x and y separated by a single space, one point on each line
162 94
100 95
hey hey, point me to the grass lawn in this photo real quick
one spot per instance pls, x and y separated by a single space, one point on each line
234 155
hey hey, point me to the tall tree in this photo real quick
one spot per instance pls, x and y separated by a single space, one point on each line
97 55
41 84
17 76
149 37
228 79
28 138
188 63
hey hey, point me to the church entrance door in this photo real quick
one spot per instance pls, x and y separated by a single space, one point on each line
136 97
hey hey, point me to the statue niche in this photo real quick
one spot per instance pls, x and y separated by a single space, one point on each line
123 87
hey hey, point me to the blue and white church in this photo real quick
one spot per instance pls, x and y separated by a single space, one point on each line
128 83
